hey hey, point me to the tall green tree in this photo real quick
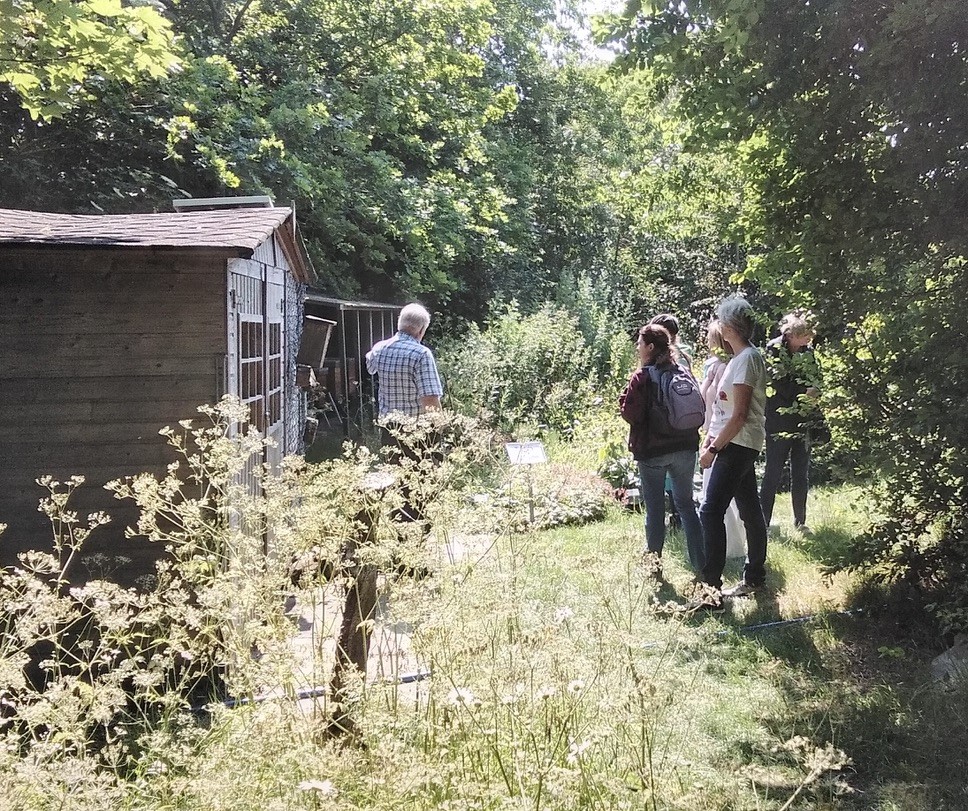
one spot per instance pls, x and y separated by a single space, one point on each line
851 119
53 53
372 117
374 130
461 151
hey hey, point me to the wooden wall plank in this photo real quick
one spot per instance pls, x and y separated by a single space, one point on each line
25 365
266 253
140 345
31 457
100 350
170 317
152 414
39 430
52 293
42 391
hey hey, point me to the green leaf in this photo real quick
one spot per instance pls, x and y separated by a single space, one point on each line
104 8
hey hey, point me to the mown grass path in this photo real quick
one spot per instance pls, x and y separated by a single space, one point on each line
818 661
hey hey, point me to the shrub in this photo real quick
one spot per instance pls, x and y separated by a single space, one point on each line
102 687
98 682
897 397
552 495
555 683
534 368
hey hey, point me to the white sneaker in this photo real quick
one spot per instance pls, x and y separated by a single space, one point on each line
741 589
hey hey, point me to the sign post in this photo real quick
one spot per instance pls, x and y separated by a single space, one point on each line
527 453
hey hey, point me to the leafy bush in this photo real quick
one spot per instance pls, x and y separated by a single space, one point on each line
619 469
603 311
546 496
535 368
897 395
101 685
555 683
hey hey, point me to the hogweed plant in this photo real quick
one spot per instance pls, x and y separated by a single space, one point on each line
555 681
96 679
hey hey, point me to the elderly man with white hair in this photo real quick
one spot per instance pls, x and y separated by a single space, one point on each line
406 372
408 385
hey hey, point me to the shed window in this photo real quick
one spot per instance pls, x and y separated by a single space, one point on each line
274 360
252 369
261 370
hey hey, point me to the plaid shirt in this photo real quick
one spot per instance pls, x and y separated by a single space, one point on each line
406 371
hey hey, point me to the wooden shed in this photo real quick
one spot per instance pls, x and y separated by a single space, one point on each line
114 326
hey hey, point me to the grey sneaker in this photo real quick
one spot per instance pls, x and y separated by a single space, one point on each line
741 589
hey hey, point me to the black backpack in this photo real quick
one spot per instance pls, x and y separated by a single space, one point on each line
677 407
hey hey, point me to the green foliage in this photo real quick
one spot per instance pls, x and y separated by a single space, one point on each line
376 133
532 369
461 151
54 52
546 496
842 116
680 208
902 383
617 466
608 203
97 680
556 683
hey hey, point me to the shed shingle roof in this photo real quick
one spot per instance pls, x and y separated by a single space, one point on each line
236 229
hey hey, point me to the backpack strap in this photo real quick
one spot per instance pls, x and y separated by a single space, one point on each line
655 376
685 368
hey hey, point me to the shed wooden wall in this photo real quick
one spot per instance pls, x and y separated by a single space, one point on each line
101 349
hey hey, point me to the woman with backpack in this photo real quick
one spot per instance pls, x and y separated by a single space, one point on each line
661 448
734 442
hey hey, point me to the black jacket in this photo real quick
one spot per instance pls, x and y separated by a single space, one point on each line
791 374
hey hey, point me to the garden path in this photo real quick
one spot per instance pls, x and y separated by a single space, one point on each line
391 656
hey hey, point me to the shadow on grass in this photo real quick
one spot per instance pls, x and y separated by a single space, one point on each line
827 545
765 602
327 446
860 681
873 698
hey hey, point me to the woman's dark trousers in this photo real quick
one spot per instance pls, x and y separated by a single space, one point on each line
733 475
778 448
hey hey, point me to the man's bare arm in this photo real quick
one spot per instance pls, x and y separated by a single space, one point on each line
430 402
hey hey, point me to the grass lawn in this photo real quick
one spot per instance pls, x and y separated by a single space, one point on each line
562 678
561 683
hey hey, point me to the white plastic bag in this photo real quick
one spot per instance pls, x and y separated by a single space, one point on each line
735 533
735 529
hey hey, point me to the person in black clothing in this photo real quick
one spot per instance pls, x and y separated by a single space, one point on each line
790 406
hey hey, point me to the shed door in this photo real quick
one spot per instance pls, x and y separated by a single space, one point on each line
260 350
